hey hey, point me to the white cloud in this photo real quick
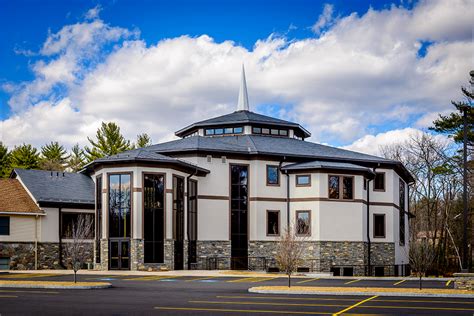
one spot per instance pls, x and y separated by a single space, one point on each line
325 18
363 72
93 13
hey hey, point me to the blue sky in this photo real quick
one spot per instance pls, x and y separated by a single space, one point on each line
281 28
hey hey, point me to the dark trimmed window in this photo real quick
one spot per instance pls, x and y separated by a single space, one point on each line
154 218
265 131
303 223
273 175
303 180
268 131
4 225
98 216
341 187
69 222
119 205
273 223
379 181
379 225
401 212
283 132
221 131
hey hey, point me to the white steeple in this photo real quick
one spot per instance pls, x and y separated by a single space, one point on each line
243 103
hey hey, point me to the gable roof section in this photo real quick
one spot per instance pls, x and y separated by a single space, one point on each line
144 155
14 199
51 187
242 117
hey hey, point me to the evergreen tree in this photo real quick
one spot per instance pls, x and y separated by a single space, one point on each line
452 124
53 157
76 160
24 156
143 140
109 141
5 168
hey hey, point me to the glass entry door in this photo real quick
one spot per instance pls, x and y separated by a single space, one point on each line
119 254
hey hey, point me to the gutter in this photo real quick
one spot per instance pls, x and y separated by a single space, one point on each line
60 252
287 193
368 228
22 213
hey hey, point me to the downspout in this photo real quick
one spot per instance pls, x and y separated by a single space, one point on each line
187 217
36 242
368 228
287 194
60 253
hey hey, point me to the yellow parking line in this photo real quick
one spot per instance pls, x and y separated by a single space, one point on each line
421 308
353 281
306 281
237 310
266 303
25 275
355 305
202 278
251 280
449 282
399 282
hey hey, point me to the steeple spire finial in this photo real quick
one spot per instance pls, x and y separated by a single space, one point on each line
243 104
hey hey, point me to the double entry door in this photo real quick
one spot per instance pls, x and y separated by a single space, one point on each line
119 254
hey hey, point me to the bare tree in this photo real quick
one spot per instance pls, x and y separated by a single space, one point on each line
76 250
291 247
421 256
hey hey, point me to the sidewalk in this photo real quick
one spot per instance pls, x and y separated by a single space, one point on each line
221 273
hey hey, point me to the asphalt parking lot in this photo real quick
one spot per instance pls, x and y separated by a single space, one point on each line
186 295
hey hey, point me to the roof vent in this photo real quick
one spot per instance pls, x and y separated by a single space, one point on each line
209 158
224 159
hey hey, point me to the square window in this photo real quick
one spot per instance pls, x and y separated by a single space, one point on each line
283 132
273 223
218 131
379 225
303 180
333 187
273 175
256 130
274 132
5 225
209 132
238 130
228 130
303 223
265 131
379 181
347 188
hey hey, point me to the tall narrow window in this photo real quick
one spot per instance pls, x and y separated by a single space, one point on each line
333 187
401 212
273 175
379 225
347 186
303 223
239 175
119 205
273 223
98 207
4 225
154 219
379 181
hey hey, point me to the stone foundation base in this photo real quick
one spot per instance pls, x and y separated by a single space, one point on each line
23 256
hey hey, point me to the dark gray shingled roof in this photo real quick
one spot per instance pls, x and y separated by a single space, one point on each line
242 117
272 146
144 155
317 164
58 187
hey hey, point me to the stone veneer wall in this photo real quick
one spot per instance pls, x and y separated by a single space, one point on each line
213 248
22 255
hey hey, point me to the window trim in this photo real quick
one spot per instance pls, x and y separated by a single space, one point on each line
8 226
384 182
279 223
309 219
277 184
341 187
384 226
132 210
303 175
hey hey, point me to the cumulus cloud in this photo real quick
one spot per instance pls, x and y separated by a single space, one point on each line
362 73
324 20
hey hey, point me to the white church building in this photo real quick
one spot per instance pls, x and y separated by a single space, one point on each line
222 194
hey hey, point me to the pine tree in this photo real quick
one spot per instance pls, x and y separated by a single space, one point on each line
5 168
143 140
109 141
76 160
53 157
452 124
24 156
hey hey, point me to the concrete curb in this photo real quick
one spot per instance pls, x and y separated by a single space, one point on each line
57 287
400 294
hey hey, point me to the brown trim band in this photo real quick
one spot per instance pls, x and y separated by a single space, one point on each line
137 190
213 197
169 191
316 199
267 199
104 190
